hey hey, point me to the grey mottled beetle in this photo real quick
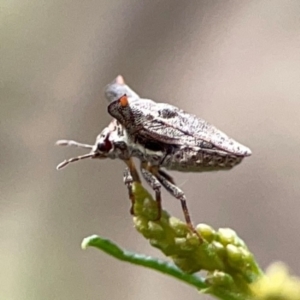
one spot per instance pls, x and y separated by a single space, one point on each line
165 123
159 135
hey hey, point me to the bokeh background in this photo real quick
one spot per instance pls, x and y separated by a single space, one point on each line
234 63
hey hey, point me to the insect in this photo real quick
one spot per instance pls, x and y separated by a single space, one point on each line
160 136
113 142
165 123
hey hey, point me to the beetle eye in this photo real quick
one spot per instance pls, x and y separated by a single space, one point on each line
104 146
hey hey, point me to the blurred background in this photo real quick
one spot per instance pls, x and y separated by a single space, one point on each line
234 63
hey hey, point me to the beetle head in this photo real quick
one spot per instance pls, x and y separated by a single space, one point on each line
103 147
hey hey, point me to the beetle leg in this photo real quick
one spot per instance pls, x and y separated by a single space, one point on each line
178 194
150 178
166 175
133 171
131 175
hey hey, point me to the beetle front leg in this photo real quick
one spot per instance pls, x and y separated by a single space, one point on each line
178 194
128 181
155 185
133 171
131 175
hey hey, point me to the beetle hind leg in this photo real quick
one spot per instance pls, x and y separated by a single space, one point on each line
176 192
166 175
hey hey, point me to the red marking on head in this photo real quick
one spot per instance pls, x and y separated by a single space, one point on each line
120 80
123 101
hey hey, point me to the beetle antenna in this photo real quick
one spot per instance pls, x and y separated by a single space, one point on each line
73 159
73 143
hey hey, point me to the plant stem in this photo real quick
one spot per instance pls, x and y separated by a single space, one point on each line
164 267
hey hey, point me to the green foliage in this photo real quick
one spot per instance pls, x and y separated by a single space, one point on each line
231 270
